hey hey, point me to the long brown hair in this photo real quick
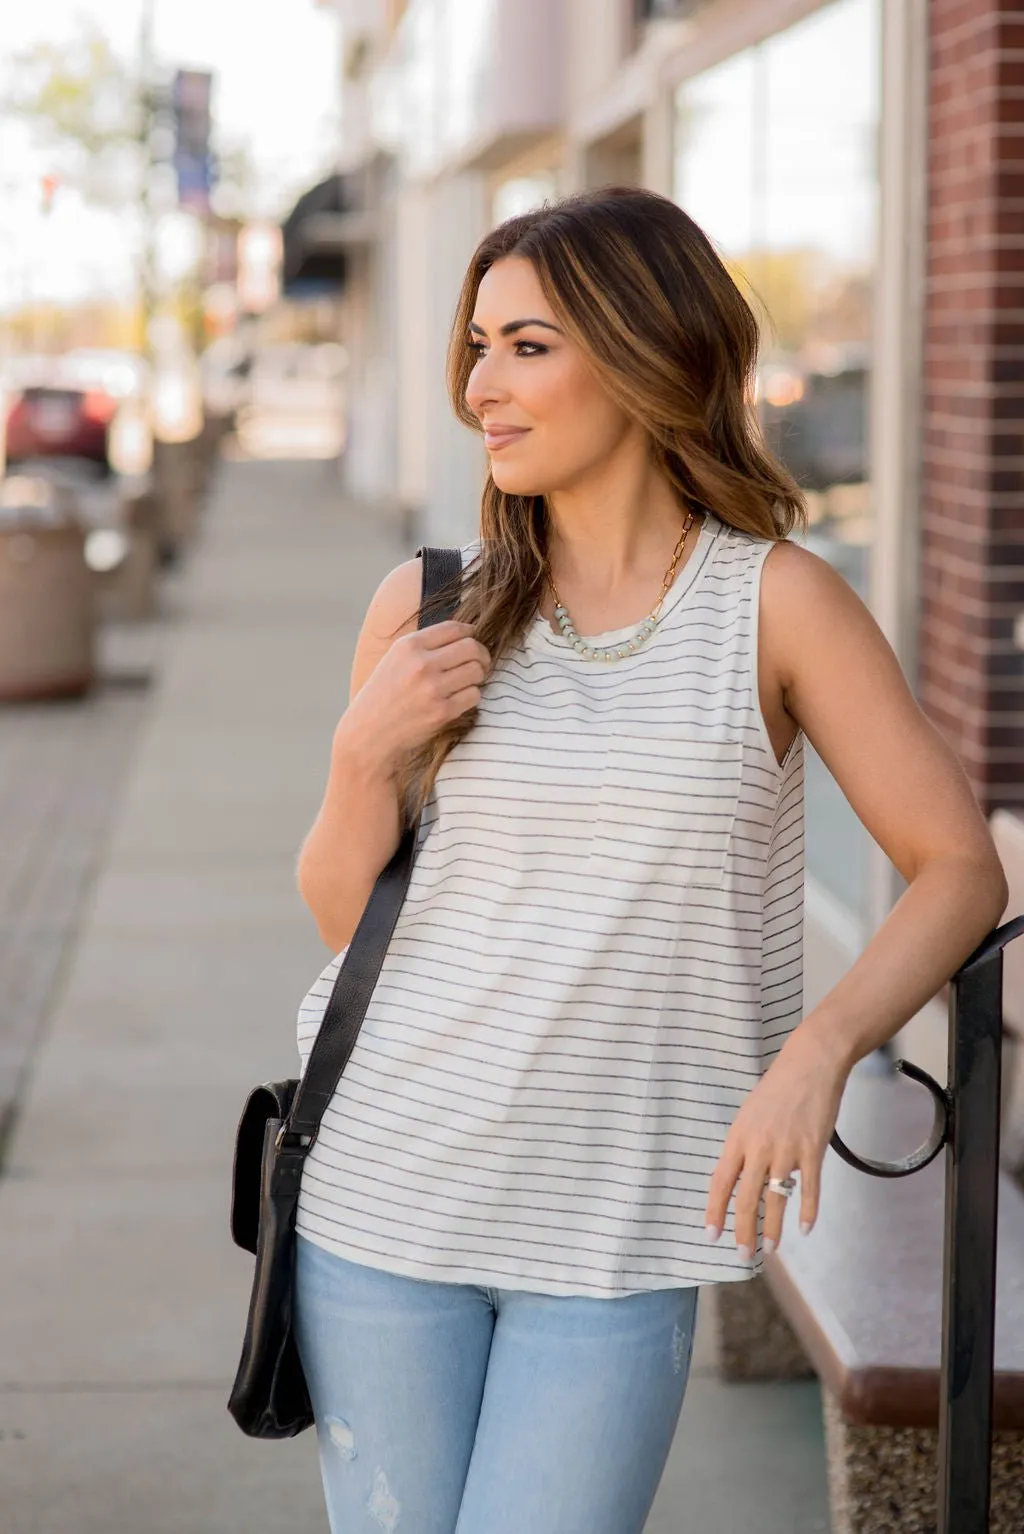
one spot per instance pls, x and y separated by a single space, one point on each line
638 286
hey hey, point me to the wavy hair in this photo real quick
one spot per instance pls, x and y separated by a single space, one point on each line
638 286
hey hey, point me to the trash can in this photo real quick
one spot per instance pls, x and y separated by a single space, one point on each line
216 426
124 559
177 483
47 616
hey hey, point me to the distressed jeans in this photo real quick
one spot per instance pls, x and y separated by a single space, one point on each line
446 1408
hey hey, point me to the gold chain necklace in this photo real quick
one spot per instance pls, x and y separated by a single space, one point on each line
644 630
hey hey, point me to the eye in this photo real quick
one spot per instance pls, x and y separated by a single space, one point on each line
534 348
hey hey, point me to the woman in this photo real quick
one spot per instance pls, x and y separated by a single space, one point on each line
587 1035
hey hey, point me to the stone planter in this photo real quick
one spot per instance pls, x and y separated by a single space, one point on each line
47 616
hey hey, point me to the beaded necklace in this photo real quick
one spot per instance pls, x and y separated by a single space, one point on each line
644 630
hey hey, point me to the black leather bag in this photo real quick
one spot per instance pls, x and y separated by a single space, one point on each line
281 1119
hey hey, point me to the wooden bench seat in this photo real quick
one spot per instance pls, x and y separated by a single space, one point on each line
862 1296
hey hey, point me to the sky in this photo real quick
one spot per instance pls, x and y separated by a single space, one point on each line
276 85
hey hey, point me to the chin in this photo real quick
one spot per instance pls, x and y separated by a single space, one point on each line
516 479
516 484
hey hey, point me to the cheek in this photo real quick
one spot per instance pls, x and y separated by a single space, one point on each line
574 413
574 427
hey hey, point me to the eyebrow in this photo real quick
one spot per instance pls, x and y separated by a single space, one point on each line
514 325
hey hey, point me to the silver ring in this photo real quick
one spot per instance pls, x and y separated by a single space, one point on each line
784 1186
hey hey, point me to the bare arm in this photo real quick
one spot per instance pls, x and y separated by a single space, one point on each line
841 681
403 687
826 664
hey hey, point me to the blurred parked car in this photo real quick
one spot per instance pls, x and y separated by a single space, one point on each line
44 421
65 407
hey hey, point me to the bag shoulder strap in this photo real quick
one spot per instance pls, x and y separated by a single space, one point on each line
441 568
358 972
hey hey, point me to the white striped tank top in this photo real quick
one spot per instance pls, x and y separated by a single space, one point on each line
599 955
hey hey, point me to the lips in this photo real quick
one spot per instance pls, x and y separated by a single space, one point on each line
500 436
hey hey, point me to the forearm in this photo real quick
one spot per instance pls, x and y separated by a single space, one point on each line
937 922
353 837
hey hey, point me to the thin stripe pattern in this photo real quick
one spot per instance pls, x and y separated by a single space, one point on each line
599 955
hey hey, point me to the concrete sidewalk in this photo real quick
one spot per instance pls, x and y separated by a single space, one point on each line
122 1299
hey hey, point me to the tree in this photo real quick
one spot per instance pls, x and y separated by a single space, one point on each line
85 101
112 138
104 125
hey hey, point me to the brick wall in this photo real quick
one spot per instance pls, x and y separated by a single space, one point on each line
972 574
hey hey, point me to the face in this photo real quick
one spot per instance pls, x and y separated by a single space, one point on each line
548 422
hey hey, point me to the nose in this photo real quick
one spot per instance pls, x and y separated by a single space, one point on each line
485 389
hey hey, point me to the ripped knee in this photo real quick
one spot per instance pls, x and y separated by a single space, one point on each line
383 1505
342 1437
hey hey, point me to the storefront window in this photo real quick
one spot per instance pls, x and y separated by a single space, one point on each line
521 194
776 159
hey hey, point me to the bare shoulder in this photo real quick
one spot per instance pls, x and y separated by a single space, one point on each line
392 612
843 684
811 615
396 601
792 571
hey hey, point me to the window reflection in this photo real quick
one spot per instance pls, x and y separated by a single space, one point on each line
521 194
776 160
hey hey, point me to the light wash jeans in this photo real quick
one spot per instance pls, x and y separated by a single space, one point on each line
447 1408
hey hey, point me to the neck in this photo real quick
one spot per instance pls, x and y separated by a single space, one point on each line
605 536
615 525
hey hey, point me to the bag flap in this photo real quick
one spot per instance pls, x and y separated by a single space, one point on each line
272 1100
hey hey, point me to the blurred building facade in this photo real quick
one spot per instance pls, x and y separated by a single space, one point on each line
857 164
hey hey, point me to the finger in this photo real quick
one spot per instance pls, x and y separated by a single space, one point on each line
464 650
775 1205
723 1180
455 678
466 698
437 634
748 1200
810 1190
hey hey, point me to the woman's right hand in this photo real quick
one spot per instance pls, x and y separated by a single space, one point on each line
423 681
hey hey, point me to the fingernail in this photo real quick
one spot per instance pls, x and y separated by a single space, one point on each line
745 1252
769 1245
712 1232
805 1227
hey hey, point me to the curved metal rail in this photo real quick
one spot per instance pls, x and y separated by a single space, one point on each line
942 1128
967 1124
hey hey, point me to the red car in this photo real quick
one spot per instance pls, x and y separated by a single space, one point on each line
47 420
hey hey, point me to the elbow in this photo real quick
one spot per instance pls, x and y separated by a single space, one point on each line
333 930
303 880
975 888
991 889
995 881
312 897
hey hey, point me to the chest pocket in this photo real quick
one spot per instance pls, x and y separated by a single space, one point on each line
666 808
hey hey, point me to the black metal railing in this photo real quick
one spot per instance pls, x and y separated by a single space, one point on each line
967 1124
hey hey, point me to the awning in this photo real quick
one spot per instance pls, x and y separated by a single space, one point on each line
324 225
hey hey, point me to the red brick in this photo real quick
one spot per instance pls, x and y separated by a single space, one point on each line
972 428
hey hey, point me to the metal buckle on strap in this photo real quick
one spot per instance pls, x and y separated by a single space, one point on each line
287 1139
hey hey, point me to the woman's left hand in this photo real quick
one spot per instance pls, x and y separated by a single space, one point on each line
782 1129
